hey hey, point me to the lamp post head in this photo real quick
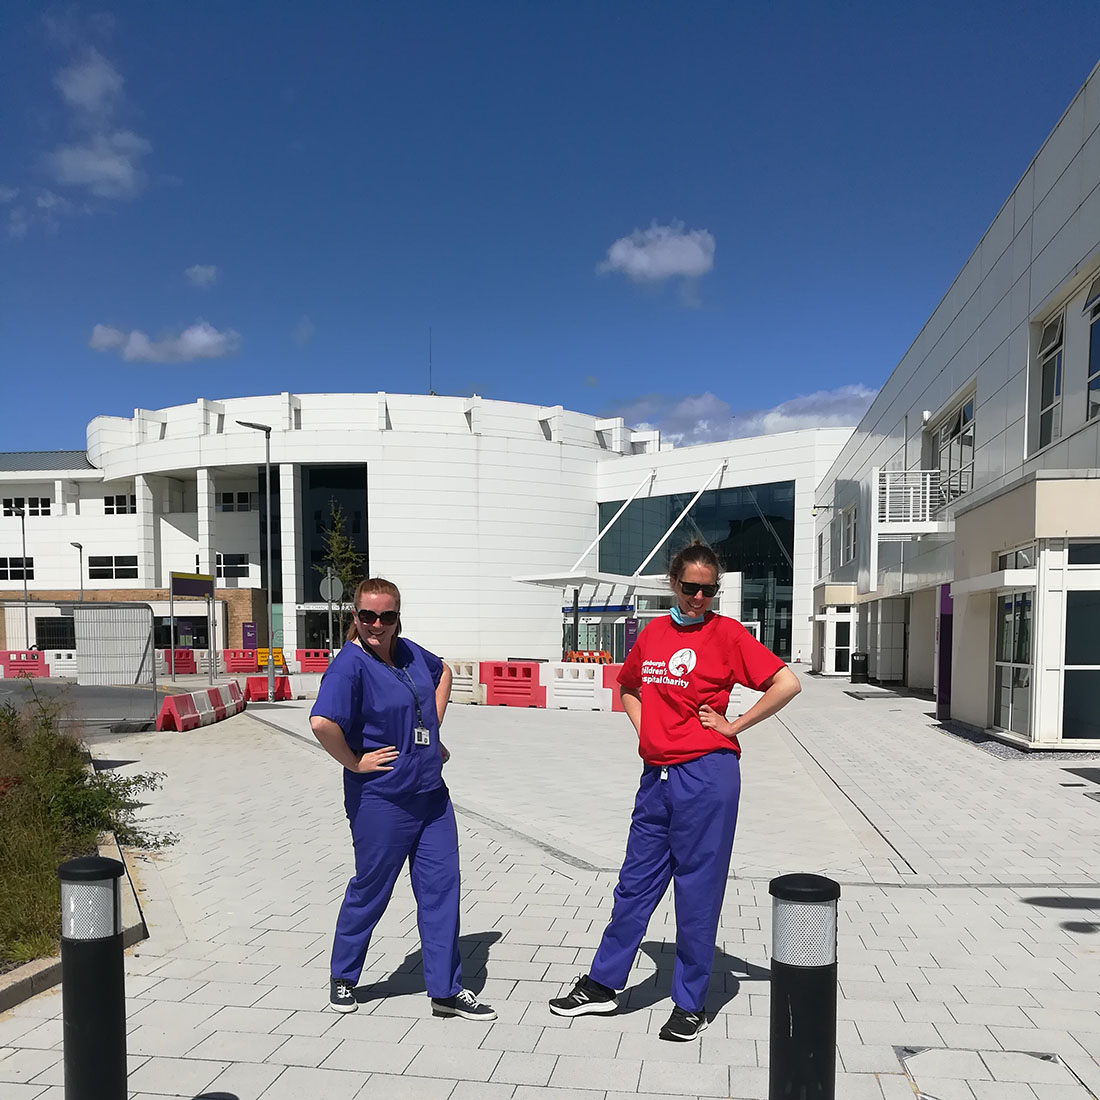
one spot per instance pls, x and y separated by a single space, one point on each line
265 428
78 545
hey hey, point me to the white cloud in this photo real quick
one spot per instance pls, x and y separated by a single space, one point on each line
92 86
18 222
661 252
842 407
303 332
202 274
108 165
706 418
199 341
8 194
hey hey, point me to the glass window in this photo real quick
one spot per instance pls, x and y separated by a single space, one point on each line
1082 635
1093 296
57 633
1081 704
232 565
1084 553
1050 382
1093 389
1012 668
226 502
105 568
750 527
956 452
16 569
120 505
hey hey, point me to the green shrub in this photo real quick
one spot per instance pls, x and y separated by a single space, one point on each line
52 808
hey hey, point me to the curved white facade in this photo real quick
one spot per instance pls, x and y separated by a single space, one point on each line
460 496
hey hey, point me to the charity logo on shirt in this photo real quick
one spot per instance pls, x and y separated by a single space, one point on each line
682 662
672 672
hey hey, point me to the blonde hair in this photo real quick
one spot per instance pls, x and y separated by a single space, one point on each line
373 586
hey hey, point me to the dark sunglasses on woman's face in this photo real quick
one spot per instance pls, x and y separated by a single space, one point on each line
369 618
688 589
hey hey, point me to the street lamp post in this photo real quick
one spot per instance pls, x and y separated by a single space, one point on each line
22 514
266 429
80 548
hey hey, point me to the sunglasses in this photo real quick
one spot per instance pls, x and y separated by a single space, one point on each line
708 590
369 618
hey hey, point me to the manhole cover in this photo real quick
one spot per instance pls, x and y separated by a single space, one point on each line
936 1072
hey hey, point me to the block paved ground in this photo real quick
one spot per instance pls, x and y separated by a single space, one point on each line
969 918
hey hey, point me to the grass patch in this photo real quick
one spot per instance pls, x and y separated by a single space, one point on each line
52 808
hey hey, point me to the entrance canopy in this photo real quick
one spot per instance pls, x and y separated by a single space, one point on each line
579 578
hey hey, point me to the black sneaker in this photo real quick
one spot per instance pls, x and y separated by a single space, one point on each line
683 1027
342 995
463 1004
586 996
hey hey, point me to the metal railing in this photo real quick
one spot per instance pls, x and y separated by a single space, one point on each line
918 496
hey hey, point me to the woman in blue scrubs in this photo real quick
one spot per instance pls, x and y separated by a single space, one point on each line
377 714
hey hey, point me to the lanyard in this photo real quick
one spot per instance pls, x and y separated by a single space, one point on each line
406 679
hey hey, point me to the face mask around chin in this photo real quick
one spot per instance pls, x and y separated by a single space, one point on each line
681 619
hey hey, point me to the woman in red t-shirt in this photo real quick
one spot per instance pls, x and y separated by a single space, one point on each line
675 687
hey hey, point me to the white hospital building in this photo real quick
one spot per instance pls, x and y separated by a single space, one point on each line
485 513
958 532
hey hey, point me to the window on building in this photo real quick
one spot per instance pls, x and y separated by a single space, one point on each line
1012 663
1050 381
59 633
120 505
16 569
119 568
955 445
1092 310
236 502
1084 553
228 565
847 536
820 554
1023 558
1081 688
31 506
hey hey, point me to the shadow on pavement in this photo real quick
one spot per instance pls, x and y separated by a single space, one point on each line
217 1096
725 983
1058 901
409 976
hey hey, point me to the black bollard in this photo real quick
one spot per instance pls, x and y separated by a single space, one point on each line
803 985
93 985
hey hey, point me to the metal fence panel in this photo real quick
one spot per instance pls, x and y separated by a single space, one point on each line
114 645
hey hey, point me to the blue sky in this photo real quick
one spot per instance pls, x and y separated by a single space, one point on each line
684 213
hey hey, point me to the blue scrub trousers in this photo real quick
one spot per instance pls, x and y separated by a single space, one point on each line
682 829
385 832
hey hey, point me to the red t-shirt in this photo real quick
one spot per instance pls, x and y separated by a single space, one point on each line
679 668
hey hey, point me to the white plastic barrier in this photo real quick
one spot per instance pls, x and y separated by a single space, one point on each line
465 683
61 662
203 661
574 686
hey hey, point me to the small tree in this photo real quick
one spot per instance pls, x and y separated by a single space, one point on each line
343 560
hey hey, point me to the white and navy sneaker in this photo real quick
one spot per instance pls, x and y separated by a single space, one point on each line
463 1004
586 997
342 995
684 1027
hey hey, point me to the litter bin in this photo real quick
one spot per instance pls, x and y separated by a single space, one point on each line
859 668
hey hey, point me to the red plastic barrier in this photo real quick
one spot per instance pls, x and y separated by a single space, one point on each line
512 684
241 660
190 710
178 712
185 662
312 660
611 680
24 662
255 687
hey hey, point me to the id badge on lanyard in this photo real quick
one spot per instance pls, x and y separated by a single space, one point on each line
421 734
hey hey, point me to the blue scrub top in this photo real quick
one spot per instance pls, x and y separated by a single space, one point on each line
373 704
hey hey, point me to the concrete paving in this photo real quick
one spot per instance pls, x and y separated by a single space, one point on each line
968 921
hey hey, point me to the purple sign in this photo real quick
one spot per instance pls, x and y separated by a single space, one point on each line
248 636
191 584
630 635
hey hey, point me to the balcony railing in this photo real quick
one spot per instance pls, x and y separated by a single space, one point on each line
918 496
